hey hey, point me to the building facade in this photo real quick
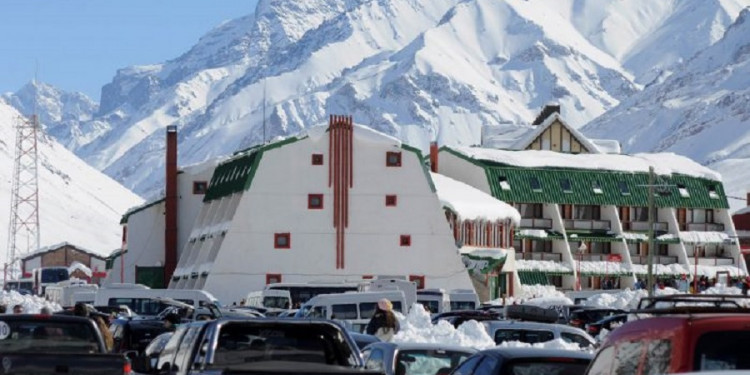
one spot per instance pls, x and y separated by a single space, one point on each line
69 256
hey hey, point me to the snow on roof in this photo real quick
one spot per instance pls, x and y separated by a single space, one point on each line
633 236
484 252
59 245
541 265
529 137
470 203
742 211
607 146
76 265
661 269
703 237
663 163
361 132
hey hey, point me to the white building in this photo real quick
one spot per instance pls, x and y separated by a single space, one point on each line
341 202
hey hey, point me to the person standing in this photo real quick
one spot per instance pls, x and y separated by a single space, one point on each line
17 309
383 323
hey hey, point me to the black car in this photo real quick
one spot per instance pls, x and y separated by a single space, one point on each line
456 318
582 318
608 323
502 361
134 334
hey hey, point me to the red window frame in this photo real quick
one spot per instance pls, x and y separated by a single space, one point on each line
396 162
391 200
405 240
270 277
367 277
197 187
419 279
277 236
317 159
311 198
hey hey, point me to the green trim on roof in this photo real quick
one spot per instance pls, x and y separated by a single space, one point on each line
551 236
126 216
110 260
237 174
582 181
422 163
593 237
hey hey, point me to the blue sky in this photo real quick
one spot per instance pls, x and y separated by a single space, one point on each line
80 44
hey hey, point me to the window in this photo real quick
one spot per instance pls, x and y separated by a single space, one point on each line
405 240
573 338
602 364
503 181
417 279
627 358
535 184
683 191
393 159
375 360
658 356
624 189
530 210
529 337
315 201
566 186
200 187
282 241
317 159
273 278
712 192
390 201
487 366
597 187
367 310
722 350
467 366
348 311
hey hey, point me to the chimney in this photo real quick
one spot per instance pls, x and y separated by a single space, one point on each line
547 111
170 219
434 157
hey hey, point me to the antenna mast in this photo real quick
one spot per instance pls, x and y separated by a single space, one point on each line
24 205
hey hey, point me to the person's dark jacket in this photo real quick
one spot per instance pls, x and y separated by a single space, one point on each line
379 320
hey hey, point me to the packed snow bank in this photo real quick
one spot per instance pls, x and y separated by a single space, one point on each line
628 299
31 304
554 344
418 328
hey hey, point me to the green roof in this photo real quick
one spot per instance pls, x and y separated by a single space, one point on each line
582 184
236 174
421 159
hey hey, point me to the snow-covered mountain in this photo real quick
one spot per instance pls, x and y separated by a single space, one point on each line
416 69
77 203
701 111
65 115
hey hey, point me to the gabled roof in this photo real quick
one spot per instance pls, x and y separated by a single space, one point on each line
51 248
594 179
470 203
525 142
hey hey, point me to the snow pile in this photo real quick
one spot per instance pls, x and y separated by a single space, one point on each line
549 301
78 266
554 344
633 236
703 237
417 327
538 233
661 269
598 267
470 203
31 304
710 271
541 265
625 300
722 289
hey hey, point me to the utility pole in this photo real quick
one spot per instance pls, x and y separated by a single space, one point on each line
650 231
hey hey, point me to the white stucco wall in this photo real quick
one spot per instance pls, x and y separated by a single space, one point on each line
145 244
276 202
462 170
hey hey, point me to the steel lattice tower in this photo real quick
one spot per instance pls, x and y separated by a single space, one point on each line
23 228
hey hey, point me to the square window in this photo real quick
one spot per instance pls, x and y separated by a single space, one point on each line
315 201
390 201
417 279
712 193
317 159
597 187
503 181
282 240
273 278
683 191
393 159
535 184
566 186
405 240
200 187
624 189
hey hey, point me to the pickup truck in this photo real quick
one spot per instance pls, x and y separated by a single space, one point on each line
252 346
55 344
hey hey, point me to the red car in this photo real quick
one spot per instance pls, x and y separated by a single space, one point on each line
712 335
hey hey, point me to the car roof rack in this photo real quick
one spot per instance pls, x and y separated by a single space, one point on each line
693 304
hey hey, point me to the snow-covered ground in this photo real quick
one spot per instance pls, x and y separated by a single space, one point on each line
31 304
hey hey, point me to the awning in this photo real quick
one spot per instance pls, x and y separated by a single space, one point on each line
480 260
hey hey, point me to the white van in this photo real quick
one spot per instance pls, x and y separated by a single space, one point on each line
86 297
270 299
435 301
142 301
64 291
383 284
353 308
463 299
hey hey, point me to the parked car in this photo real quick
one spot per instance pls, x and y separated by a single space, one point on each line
412 359
456 318
148 359
512 361
134 334
50 344
565 311
679 338
363 339
581 318
533 332
258 345
609 323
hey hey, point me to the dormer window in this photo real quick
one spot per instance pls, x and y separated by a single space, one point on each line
712 193
504 184
566 186
683 191
597 187
536 185
624 189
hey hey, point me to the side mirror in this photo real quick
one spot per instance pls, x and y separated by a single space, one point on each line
131 354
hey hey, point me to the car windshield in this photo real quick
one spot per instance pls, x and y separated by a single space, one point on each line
276 302
538 366
428 362
47 336
722 350
241 343
431 306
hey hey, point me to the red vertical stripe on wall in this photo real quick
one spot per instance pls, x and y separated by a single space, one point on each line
340 177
